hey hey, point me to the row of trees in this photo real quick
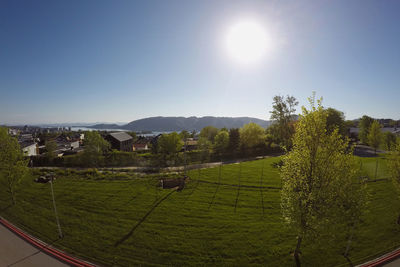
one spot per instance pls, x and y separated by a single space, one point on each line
371 134
214 143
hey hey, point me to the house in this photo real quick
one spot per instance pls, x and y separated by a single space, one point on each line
67 143
29 148
141 144
25 137
190 144
12 132
120 141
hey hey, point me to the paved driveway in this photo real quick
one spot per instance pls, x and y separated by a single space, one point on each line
16 252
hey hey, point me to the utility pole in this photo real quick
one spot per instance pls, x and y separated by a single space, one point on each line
60 234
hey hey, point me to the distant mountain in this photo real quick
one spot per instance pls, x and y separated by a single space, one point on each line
165 124
106 126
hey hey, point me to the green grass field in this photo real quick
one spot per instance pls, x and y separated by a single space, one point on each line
213 221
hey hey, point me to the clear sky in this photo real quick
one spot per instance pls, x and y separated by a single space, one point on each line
117 61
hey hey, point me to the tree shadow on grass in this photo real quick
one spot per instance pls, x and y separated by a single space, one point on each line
125 237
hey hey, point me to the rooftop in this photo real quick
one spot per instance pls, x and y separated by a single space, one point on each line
121 136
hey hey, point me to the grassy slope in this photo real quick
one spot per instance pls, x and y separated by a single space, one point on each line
197 226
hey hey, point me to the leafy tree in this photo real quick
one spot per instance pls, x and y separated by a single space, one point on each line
221 142
13 165
316 177
169 145
374 135
184 135
204 145
389 141
364 125
209 132
335 119
350 124
252 136
51 147
394 168
283 115
134 135
234 141
95 147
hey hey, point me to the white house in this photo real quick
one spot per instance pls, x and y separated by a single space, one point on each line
29 148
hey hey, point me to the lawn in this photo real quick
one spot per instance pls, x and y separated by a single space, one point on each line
227 215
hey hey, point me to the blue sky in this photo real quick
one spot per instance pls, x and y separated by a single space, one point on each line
117 61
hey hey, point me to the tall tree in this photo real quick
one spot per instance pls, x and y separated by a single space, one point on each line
252 135
283 111
209 132
221 142
364 125
13 165
169 145
184 135
95 147
394 168
374 136
51 147
234 141
204 146
315 174
389 141
335 119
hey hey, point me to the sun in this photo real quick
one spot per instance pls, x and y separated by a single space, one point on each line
247 42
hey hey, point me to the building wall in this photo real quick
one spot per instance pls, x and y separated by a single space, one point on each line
126 146
30 150
74 144
122 146
140 148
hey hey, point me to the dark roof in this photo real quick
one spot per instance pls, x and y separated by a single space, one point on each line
142 140
121 136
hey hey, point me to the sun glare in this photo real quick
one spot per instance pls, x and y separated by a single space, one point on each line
247 42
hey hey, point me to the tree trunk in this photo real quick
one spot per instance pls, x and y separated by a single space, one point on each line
297 251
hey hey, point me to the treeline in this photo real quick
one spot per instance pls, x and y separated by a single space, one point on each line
211 144
370 133
171 149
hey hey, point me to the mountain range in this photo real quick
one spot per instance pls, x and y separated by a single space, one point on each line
166 124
